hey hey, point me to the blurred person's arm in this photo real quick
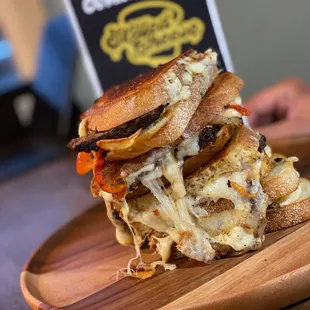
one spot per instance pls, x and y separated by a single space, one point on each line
281 110
22 23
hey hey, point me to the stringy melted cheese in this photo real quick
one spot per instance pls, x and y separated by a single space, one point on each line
163 246
178 215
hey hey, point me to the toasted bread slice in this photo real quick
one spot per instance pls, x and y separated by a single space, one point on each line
225 90
174 121
143 94
244 145
282 178
193 163
161 128
120 170
127 101
290 210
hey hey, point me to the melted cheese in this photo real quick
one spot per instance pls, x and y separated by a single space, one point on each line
106 196
132 177
187 78
173 85
123 237
163 246
237 100
160 223
293 159
192 241
166 206
83 128
301 193
268 151
163 264
172 170
220 188
175 89
168 166
288 199
179 218
125 212
178 214
238 238
196 67
180 90
232 112
188 147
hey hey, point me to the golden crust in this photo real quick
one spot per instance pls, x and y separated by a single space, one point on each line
282 179
244 139
224 89
293 214
173 129
131 99
219 206
209 151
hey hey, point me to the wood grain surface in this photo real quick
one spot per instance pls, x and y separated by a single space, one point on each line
76 269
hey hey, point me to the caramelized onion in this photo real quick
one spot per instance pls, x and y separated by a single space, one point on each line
118 144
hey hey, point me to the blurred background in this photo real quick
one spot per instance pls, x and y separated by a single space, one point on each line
268 41
44 84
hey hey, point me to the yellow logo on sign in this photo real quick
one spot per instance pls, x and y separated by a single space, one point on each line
143 38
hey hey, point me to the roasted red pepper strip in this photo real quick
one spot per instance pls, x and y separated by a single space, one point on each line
118 189
243 111
84 162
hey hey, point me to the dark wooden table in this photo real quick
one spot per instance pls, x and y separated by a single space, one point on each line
35 204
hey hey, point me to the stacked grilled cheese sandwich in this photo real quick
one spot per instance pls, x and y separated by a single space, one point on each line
178 170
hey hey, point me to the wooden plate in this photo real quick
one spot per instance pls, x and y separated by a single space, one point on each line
76 267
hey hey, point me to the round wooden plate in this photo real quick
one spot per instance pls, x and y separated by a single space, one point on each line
76 269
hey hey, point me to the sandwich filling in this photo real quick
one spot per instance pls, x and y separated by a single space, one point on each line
179 84
180 213
127 172
144 169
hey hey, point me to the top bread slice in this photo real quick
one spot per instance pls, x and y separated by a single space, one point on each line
138 96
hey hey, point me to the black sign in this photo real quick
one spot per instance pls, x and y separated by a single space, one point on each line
121 39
